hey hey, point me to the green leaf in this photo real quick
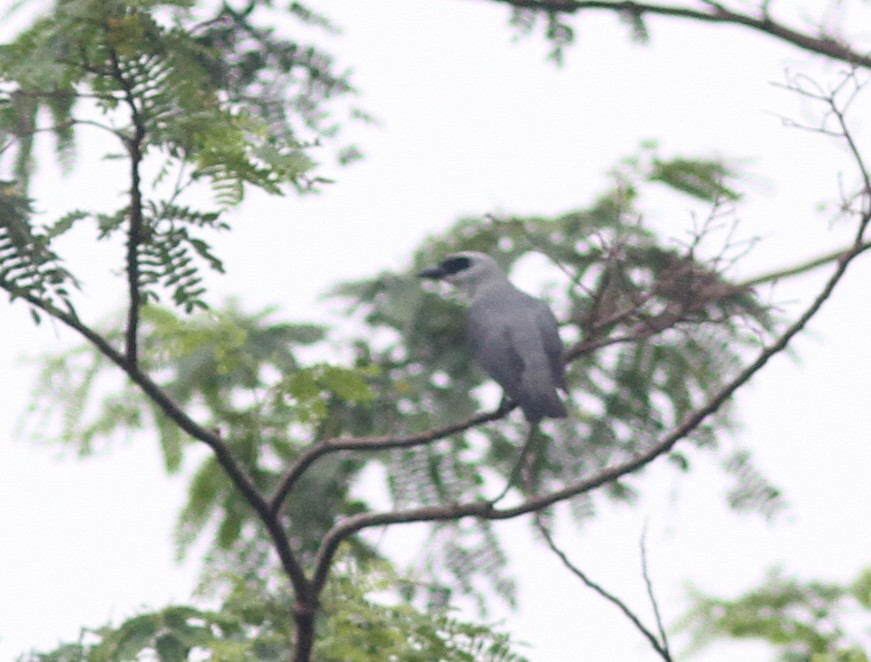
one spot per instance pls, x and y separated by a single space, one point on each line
705 180
861 589
347 384
803 620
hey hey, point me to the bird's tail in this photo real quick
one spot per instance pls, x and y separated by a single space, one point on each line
539 398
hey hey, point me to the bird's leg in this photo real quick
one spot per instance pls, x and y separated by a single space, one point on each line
515 470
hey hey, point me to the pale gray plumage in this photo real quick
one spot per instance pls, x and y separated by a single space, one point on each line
512 335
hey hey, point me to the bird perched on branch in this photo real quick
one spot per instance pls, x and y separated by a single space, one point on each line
512 335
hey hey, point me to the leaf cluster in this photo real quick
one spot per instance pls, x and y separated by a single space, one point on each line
243 373
28 266
358 630
554 25
216 99
804 621
252 623
196 88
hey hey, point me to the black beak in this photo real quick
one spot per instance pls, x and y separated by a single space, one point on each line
433 273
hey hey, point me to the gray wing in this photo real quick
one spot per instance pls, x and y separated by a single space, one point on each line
553 344
492 346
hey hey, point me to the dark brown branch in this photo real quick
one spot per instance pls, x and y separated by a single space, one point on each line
486 510
659 645
825 45
134 144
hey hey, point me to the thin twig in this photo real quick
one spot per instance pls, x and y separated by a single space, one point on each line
801 268
663 637
660 646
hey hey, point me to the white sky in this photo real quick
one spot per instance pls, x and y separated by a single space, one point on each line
474 123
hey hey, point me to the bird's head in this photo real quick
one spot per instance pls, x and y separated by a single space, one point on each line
468 271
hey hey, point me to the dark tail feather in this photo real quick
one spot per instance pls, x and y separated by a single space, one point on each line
539 398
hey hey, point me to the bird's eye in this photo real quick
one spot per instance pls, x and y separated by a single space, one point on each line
455 264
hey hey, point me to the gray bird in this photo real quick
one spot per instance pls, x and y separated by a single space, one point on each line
512 335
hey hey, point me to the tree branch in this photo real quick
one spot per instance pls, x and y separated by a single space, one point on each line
825 45
304 461
135 228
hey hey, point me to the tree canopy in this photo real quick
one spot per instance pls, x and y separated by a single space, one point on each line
202 104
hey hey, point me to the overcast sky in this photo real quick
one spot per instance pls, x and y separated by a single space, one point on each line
473 122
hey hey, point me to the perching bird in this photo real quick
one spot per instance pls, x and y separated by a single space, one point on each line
512 335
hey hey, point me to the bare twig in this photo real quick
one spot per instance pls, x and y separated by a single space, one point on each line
801 268
660 645
538 245
663 637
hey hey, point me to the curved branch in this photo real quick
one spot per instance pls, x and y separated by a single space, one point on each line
384 442
825 45
486 510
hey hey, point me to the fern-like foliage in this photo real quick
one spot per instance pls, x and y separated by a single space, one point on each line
171 255
252 623
197 96
28 267
221 93
556 29
804 621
